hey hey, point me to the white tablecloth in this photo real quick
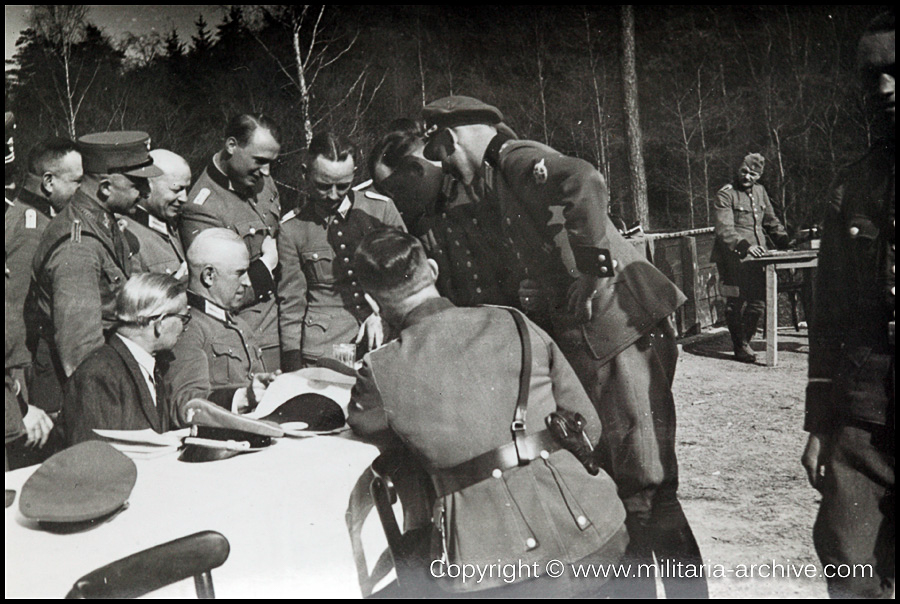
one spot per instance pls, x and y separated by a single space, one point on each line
282 510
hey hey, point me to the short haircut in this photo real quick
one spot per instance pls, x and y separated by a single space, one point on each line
241 127
47 152
332 147
395 145
199 254
391 264
147 295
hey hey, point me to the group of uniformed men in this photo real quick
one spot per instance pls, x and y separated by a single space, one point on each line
503 221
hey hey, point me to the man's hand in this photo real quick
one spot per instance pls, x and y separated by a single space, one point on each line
246 399
580 295
269 249
37 426
757 251
813 459
373 330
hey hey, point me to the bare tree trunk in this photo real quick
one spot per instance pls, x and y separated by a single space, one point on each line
703 145
600 135
686 141
302 86
633 122
419 52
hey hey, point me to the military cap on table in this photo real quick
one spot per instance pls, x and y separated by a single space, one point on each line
78 487
124 152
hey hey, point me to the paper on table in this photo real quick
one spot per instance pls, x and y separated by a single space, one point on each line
147 436
318 380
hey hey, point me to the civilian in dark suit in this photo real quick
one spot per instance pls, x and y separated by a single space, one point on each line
115 387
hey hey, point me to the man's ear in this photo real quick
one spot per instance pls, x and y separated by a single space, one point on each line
104 188
231 144
372 304
433 265
47 182
206 276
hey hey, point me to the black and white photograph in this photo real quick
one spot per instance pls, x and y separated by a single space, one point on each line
449 301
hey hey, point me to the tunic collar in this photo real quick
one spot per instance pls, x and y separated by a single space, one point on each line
429 307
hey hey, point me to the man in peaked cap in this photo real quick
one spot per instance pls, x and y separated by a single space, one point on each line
83 259
152 228
743 217
605 305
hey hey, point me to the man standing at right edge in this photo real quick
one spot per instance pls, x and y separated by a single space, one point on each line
606 307
849 456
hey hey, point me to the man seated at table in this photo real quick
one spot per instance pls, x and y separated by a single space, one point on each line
218 358
117 386
447 389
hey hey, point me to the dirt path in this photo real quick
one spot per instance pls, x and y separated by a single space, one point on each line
742 487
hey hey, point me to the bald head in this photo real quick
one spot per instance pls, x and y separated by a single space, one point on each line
168 192
218 261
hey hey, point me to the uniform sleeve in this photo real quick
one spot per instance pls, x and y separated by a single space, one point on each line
566 182
13 413
76 273
723 215
392 216
772 225
291 298
21 245
828 325
567 389
366 414
196 218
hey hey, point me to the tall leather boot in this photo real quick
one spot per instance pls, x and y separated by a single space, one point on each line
752 314
735 323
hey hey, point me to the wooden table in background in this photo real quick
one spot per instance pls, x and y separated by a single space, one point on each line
772 262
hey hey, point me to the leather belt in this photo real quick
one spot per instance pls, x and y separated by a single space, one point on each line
486 465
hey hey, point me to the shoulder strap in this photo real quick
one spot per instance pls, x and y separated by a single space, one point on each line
65 238
518 424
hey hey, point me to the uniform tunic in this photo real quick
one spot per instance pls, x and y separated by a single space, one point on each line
155 245
215 203
447 388
851 393
743 217
78 268
321 302
25 222
217 354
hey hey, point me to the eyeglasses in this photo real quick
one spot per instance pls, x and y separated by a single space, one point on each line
185 318
324 188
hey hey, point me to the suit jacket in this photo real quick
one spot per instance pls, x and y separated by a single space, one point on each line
554 211
447 388
108 391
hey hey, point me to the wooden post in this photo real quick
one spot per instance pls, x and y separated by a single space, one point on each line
690 271
771 315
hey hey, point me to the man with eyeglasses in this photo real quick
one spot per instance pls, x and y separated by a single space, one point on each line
743 217
320 300
236 191
117 387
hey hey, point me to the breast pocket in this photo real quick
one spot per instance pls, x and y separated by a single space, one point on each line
318 265
226 364
315 334
743 215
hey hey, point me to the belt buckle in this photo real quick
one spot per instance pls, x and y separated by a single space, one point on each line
518 433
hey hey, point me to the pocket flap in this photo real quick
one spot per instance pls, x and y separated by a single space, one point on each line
316 255
317 318
224 349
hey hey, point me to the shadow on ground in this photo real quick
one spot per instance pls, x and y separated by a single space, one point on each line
718 345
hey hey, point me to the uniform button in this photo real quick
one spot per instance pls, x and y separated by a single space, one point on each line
604 270
252 231
350 272
449 230
469 264
582 521
475 221
340 233
477 290
601 258
356 294
444 215
518 255
497 473
353 283
545 454
346 260
456 243
315 256
854 231
531 543
475 276
508 221
343 247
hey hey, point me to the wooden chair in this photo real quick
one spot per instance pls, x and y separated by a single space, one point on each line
409 550
151 569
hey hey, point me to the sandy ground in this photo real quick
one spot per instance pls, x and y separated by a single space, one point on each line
739 443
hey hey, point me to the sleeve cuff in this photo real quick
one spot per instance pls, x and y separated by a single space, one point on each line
261 280
291 360
819 418
222 397
742 247
593 261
